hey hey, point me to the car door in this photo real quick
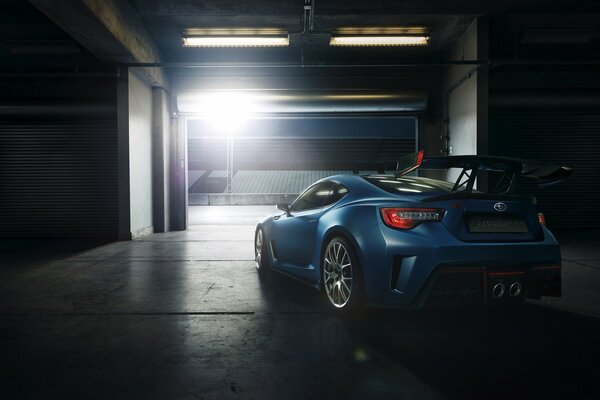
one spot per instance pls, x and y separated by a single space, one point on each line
295 233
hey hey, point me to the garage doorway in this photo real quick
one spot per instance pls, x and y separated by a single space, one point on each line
241 153
272 160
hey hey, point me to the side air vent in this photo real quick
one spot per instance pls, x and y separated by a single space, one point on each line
274 249
396 266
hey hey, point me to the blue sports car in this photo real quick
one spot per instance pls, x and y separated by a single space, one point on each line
402 240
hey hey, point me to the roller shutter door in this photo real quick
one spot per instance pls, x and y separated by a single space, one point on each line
569 138
58 179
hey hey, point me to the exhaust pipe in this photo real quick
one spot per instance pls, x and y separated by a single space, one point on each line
515 289
498 290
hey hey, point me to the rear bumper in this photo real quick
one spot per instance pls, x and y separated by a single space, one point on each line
478 286
414 268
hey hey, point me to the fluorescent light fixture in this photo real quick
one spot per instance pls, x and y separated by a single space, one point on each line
380 36
235 37
361 41
236 41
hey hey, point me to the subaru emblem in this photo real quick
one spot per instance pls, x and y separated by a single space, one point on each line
500 207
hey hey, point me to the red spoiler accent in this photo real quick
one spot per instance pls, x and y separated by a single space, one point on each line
409 163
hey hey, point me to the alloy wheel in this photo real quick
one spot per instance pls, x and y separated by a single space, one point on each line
258 248
337 274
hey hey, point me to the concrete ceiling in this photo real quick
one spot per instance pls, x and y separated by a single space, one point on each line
166 20
30 41
130 31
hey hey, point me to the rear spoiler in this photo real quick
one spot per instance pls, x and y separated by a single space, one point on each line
512 170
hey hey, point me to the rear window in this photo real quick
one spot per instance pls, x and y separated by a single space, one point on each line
409 184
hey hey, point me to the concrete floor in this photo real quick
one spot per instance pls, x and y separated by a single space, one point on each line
183 315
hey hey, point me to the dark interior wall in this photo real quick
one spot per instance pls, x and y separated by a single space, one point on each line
565 137
58 134
58 177
550 113
58 160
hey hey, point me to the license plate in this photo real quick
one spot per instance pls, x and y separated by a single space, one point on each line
496 224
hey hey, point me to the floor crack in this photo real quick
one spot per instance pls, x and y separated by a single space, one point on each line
209 288
582 264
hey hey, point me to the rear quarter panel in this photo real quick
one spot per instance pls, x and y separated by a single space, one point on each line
357 221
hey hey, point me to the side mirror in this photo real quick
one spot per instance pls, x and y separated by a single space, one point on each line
284 207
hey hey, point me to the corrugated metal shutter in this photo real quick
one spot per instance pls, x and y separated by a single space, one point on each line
298 153
569 138
58 179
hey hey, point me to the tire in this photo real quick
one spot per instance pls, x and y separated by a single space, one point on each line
341 276
260 252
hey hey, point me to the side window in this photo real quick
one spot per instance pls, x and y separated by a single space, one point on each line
313 198
336 193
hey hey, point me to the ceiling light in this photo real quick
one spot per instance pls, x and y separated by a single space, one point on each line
380 36
236 41
235 37
379 41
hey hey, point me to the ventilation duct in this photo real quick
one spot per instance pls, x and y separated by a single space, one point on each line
306 101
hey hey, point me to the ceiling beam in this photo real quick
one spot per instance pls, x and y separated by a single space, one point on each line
111 30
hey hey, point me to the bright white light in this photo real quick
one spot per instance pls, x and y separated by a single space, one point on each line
423 185
408 190
227 112
236 41
324 193
370 40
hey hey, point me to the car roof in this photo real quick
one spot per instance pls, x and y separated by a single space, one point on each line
364 182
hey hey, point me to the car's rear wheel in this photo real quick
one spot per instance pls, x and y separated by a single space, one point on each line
341 276
260 251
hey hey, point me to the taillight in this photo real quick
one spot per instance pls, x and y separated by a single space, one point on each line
408 218
541 219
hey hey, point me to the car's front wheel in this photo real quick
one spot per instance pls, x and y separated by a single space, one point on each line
260 251
341 276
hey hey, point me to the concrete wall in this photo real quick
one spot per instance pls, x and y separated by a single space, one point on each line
462 100
140 156
460 96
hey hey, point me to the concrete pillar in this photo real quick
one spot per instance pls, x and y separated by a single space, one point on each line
483 86
161 159
124 217
483 96
466 96
461 95
140 156
179 195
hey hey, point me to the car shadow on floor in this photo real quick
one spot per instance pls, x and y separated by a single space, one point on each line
531 351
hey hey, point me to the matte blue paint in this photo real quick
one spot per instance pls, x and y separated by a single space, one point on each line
300 239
